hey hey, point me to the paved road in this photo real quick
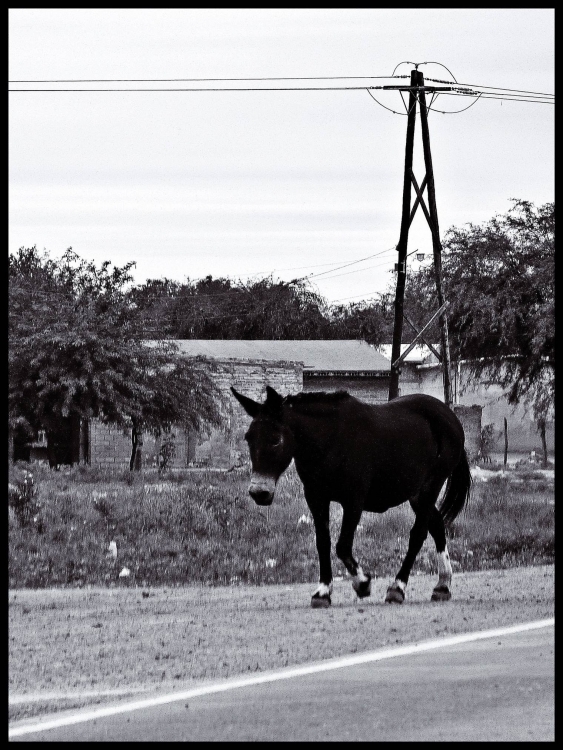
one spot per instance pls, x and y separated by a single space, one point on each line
498 689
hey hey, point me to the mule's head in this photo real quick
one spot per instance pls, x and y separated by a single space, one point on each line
270 443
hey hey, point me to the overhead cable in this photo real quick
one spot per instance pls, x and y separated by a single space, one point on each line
498 88
170 80
352 263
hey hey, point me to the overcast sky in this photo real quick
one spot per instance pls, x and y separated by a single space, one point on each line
243 183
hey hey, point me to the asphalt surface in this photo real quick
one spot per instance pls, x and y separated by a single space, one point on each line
498 689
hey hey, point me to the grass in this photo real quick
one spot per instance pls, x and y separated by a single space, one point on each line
202 527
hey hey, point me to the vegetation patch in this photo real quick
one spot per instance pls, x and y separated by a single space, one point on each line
84 526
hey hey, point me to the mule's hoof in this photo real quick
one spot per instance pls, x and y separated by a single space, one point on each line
395 594
441 594
362 588
320 602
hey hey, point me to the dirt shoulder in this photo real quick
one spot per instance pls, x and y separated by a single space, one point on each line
72 647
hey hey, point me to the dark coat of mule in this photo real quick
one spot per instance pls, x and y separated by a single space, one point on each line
366 458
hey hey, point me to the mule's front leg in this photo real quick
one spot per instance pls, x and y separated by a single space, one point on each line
419 532
321 595
361 582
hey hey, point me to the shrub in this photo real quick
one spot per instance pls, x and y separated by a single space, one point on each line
202 527
22 499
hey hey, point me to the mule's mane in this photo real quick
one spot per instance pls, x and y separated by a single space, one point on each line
317 397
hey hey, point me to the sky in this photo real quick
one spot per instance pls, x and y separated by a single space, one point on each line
250 183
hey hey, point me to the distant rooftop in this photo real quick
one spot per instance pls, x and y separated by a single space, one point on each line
317 355
421 354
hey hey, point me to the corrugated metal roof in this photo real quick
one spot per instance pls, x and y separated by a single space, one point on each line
332 355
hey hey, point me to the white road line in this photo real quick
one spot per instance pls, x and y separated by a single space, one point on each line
16 700
45 723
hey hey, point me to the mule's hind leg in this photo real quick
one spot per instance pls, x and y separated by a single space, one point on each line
436 528
419 532
361 582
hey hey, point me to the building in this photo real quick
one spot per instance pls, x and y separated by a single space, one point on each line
249 366
422 373
292 366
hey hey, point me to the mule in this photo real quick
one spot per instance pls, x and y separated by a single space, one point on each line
366 458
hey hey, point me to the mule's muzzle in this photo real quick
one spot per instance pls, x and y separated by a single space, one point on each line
261 497
262 489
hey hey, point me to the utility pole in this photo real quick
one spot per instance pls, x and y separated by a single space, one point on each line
401 266
417 93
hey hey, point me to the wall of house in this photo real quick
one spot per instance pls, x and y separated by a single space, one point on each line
250 378
471 420
409 379
369 389
220 447
522 431
111 447
523 435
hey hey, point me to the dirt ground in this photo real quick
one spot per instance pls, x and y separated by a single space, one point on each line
73 647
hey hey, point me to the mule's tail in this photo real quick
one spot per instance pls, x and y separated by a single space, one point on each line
457 490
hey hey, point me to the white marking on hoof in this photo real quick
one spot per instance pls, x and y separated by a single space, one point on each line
444 568
396 592
360 576
361 582
323 590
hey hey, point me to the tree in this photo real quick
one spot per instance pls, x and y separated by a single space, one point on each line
76 351
221 308
368 321
499 280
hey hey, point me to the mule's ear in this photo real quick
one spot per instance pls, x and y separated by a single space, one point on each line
251 407
273 399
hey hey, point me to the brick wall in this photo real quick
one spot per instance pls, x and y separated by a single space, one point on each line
111 446
368 389
221 447
227 447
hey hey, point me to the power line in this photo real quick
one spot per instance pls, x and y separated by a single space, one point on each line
242 289
453 92
430 108
170 80
404 114
303 278
298 268
279 88
270 78
506 98
358 270
352 263
481 86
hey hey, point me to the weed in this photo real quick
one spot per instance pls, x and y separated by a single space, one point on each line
167 452
22 499
203 527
